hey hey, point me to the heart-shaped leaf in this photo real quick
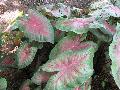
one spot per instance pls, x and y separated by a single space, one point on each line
74 68
25 55
37 27
70 43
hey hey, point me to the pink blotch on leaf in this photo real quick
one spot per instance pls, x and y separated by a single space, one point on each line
36 25
77 88
77 22
25 87
24 54
44 76
58 33
117 52
70 44
114 9
7 61
73 44
109 27
69 67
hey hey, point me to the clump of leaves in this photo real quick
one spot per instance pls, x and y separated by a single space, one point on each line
71 67
70 64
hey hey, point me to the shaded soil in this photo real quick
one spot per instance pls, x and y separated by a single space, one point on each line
102 79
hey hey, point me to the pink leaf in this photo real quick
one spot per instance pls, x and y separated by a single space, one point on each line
71 66
77 25
37 27
25 54
8 61
73 43
110 28
77 22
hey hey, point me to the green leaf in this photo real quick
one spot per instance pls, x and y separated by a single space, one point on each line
114 53
85 86
38 45
3 83
101 36
118 27
117 3
38 88
58 35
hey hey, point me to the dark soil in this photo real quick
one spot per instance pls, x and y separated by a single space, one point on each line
102 71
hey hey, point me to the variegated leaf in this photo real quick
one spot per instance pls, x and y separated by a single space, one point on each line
77 25
74 68
37 27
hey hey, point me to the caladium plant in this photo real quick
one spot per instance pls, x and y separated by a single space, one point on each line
74 67
77 38
70 43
